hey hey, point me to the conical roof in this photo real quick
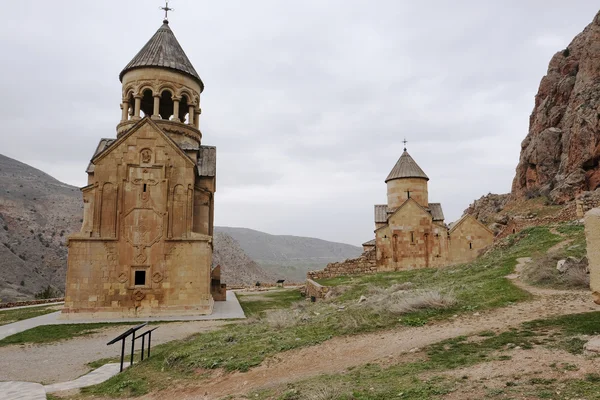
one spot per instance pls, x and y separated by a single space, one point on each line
164 51
406 167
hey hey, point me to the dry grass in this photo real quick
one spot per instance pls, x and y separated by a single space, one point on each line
542 271
403 302
281 319
323 391
577 278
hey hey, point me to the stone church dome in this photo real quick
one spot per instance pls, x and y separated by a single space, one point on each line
406 167
163 51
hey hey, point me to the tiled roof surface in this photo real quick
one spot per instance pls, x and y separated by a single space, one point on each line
380 213
369 243
163 50
207 161
436 211
104 143
406 167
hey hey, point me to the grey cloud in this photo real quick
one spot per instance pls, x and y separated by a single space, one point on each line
307 101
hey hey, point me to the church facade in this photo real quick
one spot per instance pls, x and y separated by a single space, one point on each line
145 245
410 232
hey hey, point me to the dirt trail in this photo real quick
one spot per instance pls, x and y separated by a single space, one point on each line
338 354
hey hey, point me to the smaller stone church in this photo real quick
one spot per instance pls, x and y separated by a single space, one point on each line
410 232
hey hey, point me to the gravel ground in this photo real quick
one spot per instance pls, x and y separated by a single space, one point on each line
66 360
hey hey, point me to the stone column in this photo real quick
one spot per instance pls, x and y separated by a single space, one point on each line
176 109
137 108
197 118
156 111
592 237
124 111
191 115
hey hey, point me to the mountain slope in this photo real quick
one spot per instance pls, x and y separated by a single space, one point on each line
236 267
37 213
289 256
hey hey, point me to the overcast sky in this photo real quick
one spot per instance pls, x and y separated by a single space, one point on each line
307 101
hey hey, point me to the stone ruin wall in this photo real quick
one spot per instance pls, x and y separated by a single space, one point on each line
592 235
586 201
516 225
365 264
316 290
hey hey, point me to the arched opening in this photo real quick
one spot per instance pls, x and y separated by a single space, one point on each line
147 105
184 108
130 106
166 105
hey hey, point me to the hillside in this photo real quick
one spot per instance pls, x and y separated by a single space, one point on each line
289 256
236 267
37 213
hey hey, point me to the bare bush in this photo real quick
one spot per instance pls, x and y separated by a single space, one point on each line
382 291
336 291
280 319
402 302
323 392
577 278
543 271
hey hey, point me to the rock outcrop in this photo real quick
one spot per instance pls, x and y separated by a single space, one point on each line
561 153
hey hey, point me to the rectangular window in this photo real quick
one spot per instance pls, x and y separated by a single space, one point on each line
412 237
140 278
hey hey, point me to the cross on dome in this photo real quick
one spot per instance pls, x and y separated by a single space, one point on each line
166 8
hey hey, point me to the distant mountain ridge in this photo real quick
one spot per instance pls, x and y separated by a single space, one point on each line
287 255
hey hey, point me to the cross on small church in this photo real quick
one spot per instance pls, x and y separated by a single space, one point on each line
405 141
166 8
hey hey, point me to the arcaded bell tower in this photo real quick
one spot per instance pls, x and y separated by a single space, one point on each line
145 246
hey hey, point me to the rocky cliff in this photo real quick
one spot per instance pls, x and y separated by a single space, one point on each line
560 155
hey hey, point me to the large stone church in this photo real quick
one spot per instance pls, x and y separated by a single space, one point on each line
410 232
145 245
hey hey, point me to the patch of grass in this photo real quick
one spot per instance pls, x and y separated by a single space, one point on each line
375 382
53 333
9 316
476 286
255 303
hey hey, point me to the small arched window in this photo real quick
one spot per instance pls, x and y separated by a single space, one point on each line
184 108
166 105
147 106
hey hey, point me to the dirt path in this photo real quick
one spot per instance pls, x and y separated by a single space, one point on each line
66 360
338 354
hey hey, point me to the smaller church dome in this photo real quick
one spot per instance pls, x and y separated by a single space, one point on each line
163 51
406 167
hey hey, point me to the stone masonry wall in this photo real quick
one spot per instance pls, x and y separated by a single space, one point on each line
586 201
365 264
315 289
592 235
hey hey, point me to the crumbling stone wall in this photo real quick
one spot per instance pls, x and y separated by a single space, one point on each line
586 201
515 225
592 235
315 289
365 264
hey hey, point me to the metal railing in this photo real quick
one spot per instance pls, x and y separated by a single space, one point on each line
131 331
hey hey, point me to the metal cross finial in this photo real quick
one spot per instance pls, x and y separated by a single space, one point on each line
405 141
167 9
